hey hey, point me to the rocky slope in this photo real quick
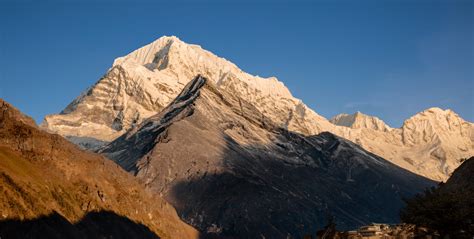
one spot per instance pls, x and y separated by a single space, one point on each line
231 171
143 82
52 189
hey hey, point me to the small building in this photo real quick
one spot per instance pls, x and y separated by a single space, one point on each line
373 231
352 235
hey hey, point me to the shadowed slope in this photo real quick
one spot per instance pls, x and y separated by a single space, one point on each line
231 172
103 224
462 178
449 208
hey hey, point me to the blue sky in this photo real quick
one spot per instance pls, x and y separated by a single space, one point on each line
386 58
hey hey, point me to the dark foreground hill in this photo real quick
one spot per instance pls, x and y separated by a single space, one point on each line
51 189
449 208
230 172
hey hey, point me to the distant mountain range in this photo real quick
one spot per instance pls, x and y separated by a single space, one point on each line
145 81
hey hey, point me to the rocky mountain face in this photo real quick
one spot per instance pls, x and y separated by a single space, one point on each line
145 81
52 189
232 172
142 83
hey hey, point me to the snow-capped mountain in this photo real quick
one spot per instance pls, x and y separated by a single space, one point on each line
429 143
143 82
230 171
359 120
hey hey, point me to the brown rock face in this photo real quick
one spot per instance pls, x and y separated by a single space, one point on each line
50 188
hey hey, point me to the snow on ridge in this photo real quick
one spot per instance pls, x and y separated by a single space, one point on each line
360 120
181 54
146 80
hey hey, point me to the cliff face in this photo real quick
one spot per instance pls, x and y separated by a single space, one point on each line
145 81
231 171
52 188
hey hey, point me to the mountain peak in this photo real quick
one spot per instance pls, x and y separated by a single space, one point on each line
436 110
440 127
172 38
435 115
360 120
147 54
184 61
144 82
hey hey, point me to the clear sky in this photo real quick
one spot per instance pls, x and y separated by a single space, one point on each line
386 58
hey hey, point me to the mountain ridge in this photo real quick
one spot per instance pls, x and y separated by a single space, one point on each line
232 172
143 82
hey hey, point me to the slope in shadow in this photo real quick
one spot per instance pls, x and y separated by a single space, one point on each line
102 224
256 195
231 172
